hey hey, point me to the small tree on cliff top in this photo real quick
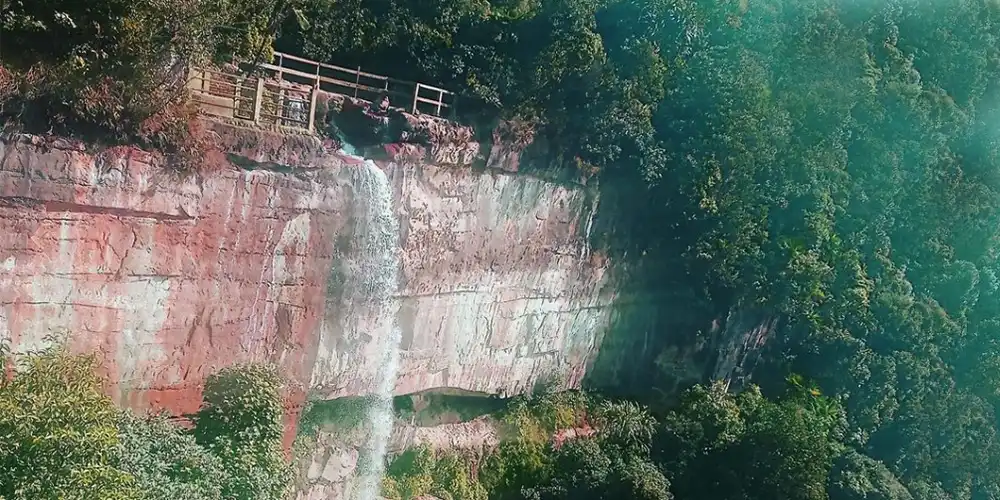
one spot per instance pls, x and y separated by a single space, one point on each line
115 70
241 423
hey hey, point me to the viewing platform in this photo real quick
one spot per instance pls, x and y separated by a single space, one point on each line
284 93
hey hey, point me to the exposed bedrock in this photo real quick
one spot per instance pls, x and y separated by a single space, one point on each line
170 277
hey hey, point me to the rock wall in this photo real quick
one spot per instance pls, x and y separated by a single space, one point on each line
738 345
170 277
328 469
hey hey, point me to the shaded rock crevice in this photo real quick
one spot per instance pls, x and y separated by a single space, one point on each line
20 202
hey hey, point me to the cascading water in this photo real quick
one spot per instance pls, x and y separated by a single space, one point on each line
378 269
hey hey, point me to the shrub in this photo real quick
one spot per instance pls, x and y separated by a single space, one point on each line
626 424
167 462
453 477
186 142
422 471
58 432
241 422
62 437
524 455
515 464
339 415
409 475
115 70
549 411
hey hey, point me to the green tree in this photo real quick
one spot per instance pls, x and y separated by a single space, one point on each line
857 477
582 468
166 462
241 423
116 69
720 446
58 438
423 471
626 424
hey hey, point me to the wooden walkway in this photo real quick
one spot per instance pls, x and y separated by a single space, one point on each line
284 92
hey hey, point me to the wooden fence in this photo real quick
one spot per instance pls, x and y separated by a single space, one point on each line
284 92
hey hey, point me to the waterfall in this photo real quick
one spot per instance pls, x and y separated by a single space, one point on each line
378 270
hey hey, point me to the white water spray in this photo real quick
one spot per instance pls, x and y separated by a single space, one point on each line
378 269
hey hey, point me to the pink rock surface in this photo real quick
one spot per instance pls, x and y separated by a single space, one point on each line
169 277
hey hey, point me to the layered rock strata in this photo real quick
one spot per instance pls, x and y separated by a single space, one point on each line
171 276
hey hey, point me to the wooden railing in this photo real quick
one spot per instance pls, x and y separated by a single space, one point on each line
360 84
284 93
259 100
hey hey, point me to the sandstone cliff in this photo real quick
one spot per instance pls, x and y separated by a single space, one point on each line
170 277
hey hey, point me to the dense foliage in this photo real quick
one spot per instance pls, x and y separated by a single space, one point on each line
241 422
57 432
714 444
61 437
719 446
614 464
422 471
833 163
115 70
166 462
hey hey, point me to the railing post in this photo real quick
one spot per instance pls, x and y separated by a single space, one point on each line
440 101
312 108
357 82
416 94
282 106
236 97
257 99
281 64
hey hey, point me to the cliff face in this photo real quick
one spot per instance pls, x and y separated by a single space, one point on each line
329 470
498 288
170 277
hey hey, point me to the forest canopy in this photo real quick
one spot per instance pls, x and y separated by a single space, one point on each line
834 163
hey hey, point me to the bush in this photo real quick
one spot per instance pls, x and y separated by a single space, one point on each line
241 422
584 469
751 446
115 70
516 464
62 437
528 424
409 474
626 424
422 471
340 415
549 411
57 430
167 462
